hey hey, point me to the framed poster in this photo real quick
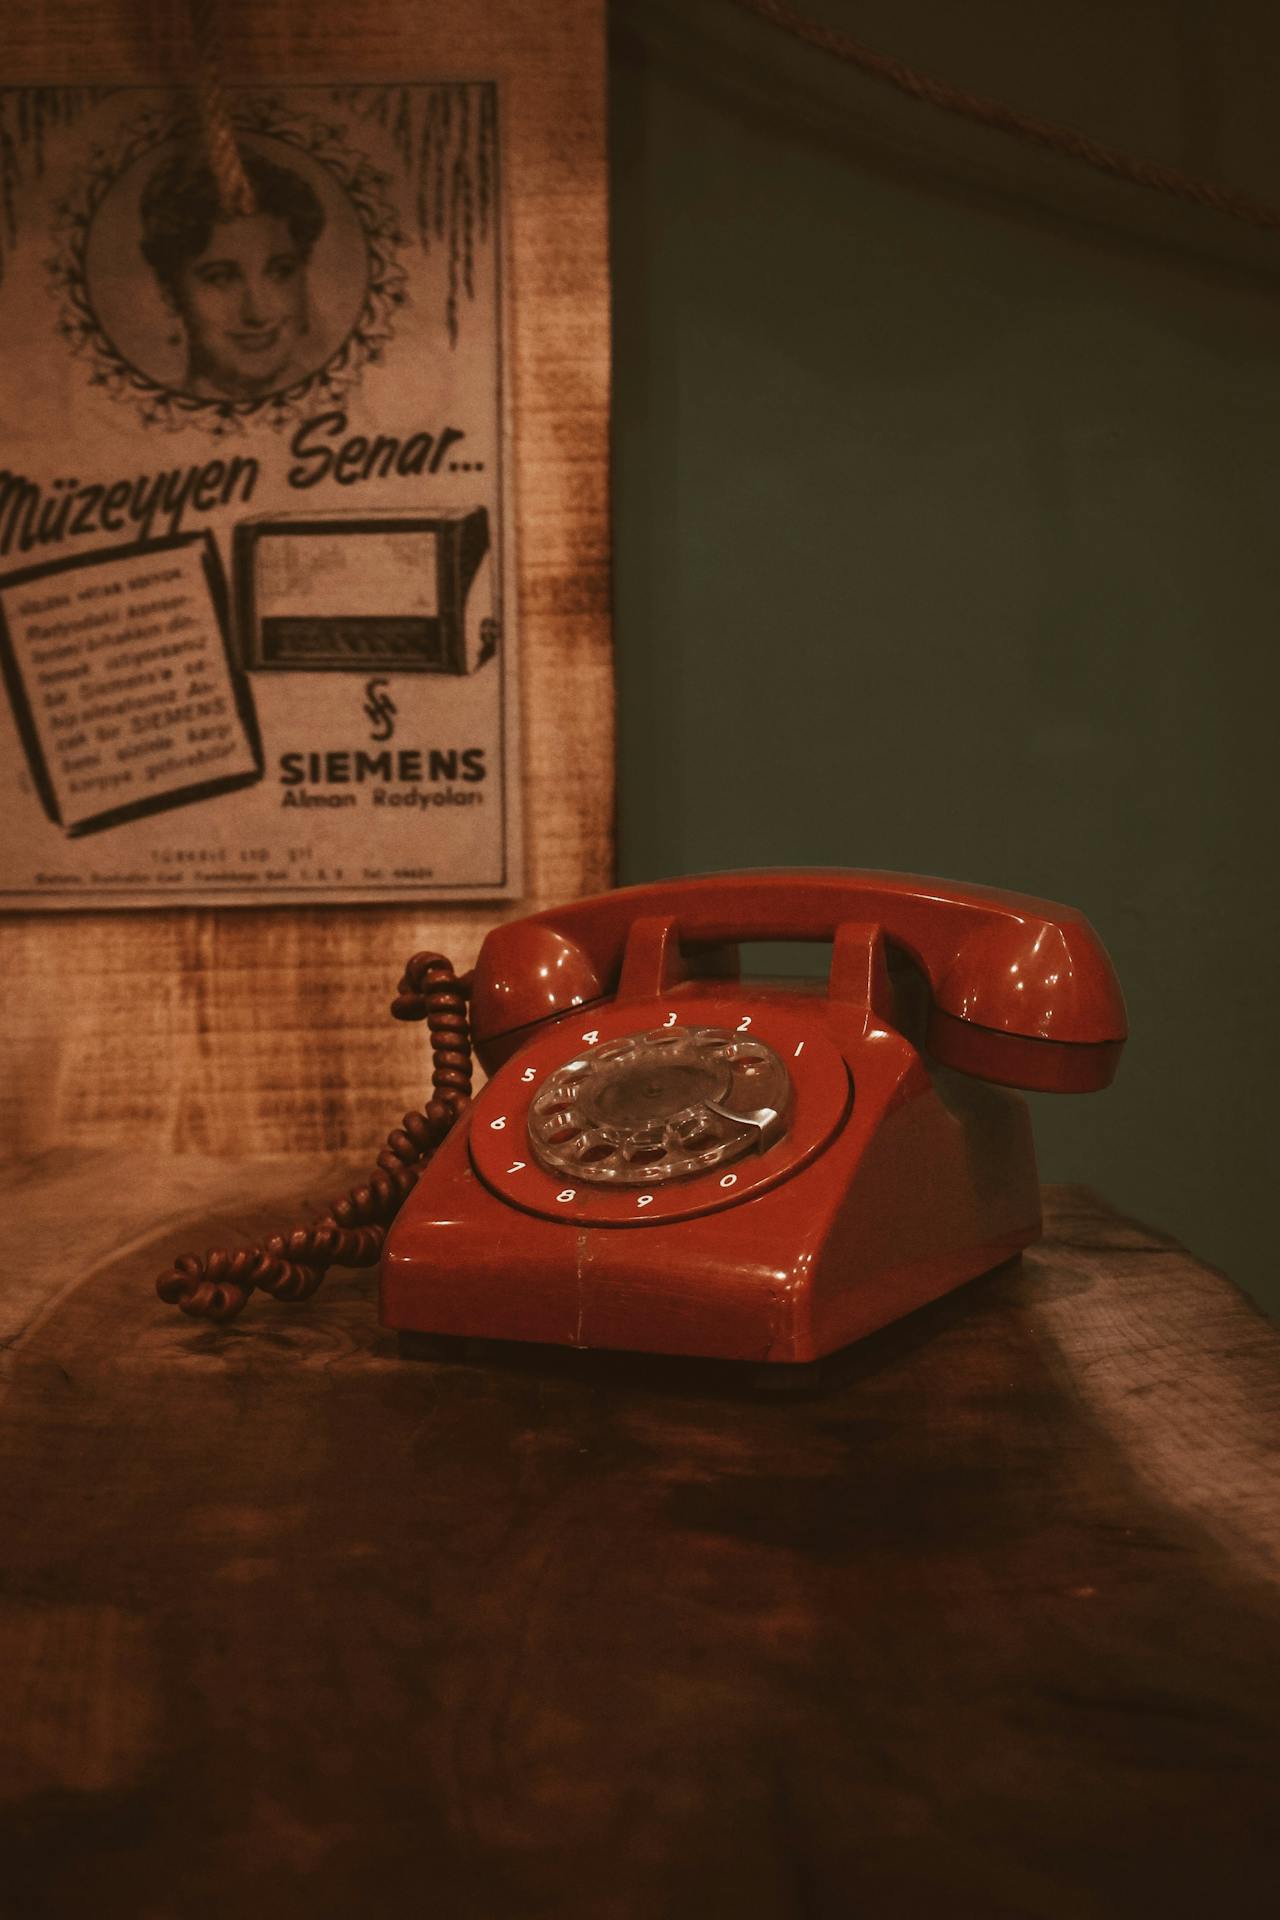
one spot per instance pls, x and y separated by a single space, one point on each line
336 535
257 630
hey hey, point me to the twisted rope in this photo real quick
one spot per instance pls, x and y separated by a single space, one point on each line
1024 126
235 194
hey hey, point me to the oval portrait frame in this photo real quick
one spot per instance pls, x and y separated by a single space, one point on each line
347 179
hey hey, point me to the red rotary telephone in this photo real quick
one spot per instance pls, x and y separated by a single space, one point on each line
671 1159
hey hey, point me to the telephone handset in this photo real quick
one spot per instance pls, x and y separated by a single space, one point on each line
671 1159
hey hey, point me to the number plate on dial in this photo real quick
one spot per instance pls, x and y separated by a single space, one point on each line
650 1122
660 1106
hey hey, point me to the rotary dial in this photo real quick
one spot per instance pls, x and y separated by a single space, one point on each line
659 1106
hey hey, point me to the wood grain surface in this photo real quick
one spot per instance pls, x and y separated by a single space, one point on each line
988 1626
231 1030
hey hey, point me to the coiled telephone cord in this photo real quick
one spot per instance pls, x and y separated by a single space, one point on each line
291 1266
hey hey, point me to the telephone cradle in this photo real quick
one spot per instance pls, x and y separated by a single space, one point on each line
671 1159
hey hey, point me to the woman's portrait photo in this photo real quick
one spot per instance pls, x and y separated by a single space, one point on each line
238 286
226 306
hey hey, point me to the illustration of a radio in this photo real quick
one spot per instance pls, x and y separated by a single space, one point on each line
391 591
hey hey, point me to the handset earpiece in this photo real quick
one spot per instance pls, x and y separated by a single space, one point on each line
1029 1002
526 973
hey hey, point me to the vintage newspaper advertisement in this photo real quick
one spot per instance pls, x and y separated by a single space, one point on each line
256 571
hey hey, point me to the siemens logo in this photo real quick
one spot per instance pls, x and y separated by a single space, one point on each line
409 765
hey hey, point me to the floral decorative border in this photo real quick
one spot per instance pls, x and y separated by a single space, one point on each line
324 143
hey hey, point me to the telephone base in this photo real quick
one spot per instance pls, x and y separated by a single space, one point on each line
613 1366
930 1183
616 1363
692 1373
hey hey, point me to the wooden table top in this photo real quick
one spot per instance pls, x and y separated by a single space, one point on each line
292 1626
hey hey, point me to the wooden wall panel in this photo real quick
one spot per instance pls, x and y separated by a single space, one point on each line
261 1029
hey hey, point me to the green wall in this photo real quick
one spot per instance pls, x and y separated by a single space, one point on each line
944 516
